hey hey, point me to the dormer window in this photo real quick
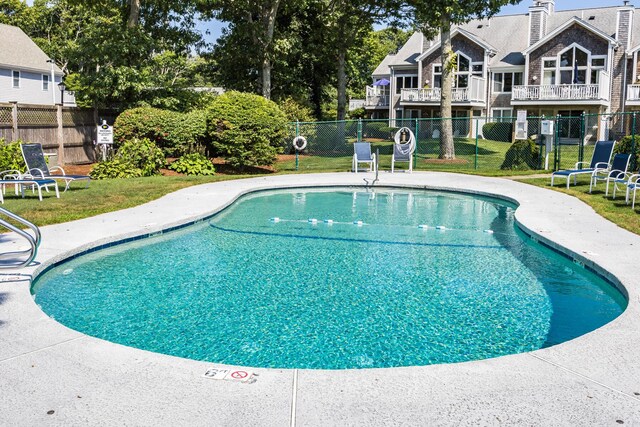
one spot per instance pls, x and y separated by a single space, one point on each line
574 65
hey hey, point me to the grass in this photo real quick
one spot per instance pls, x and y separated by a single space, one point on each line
101 197
616 211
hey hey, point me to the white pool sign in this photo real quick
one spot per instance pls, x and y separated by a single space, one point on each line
105 133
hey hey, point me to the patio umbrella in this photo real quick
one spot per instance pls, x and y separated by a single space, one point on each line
382 82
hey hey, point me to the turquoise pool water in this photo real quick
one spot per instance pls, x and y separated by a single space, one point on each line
246 289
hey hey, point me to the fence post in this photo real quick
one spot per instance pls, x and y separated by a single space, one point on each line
14 121
475 158
297 135
415 150
582 134
556 145
60 135
633 141
359 130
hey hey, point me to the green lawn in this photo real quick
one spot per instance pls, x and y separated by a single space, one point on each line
101 196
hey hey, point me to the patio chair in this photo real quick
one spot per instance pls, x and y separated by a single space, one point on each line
37 166
15 178
600 160
402 153
631 181
362 154
618 170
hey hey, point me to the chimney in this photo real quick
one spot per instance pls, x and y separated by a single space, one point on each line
538 17
625 21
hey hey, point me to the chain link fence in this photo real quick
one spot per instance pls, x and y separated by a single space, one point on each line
495 145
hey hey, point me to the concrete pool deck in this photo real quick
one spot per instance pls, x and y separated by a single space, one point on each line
592 380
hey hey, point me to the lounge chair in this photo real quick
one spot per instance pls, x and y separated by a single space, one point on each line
37 167
618 170
631 182
402 153
19 182
362 154
600 160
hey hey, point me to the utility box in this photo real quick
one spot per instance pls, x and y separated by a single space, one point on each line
546 127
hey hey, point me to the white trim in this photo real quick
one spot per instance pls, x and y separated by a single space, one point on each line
28 69
486 46
513 81
569 23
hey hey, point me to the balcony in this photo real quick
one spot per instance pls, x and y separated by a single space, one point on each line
596 94
377 97
633 95
470 95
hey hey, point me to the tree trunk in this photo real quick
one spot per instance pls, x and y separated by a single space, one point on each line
269 22
134 14
448 73
342 85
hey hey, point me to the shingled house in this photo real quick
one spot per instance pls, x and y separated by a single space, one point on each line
545 61
26 75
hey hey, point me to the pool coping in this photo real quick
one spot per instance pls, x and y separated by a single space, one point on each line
592 379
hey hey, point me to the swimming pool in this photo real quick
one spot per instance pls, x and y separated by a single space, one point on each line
245 288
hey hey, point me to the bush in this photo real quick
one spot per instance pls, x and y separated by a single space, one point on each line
523 154
134 158
115 168
193 164
175 133
295 111
498 131
246 129
11 156
624 146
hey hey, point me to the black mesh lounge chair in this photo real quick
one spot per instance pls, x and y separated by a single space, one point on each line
38 169
618 170
600 160
362 154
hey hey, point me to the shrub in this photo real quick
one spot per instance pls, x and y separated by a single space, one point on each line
498 131
246 129
11 156
193 164
115 168
522 155
295 111
624 146
175 133
134 158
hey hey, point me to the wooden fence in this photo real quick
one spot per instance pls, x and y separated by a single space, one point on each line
68 132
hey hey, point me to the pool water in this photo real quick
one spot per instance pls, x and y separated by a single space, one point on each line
261 284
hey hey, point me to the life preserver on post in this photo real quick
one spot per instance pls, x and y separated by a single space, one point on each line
299 143
405 140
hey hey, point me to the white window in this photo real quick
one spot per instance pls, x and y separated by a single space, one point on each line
574 65
464 70
504 82
502 114
45 82
406 82
16 79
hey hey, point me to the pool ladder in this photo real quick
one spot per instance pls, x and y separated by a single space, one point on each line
16 259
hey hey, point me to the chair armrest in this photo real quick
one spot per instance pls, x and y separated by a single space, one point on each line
602 165
11 174
616 174
35 173
51 169
633 177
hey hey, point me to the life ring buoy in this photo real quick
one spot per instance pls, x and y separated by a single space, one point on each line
299 143
407 146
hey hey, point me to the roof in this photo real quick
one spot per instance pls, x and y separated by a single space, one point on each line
508 34
17 50
573 20
383 68
408 54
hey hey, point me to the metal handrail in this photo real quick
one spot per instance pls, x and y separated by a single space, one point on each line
34 241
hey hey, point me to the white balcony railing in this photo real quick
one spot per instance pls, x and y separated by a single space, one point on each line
473 93
566 92
633 93
377 96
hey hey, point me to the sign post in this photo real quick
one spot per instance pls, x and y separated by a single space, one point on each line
105 138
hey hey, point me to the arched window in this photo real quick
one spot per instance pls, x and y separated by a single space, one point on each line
574 65
464 70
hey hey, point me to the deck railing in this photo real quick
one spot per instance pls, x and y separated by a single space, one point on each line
472 93
563 92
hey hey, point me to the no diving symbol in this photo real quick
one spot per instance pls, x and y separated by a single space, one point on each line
239 375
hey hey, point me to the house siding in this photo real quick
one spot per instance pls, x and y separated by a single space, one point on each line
458 43
30 90
573 34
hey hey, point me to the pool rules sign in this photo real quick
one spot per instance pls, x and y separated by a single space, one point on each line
105 133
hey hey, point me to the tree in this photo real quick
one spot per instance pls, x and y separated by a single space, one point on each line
437 16
254 19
